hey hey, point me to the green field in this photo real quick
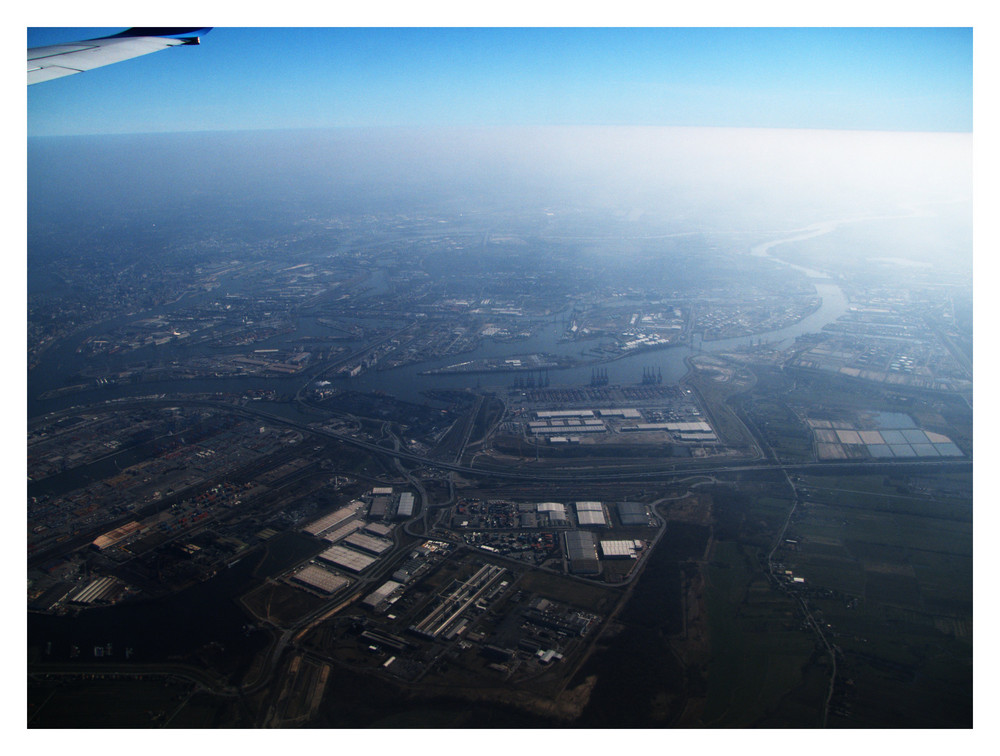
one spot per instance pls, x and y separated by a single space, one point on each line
887 565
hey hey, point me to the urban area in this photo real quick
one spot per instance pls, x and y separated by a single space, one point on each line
377 467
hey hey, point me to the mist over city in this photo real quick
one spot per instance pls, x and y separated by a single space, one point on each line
527 423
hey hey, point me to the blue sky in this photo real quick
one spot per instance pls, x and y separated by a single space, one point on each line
892 79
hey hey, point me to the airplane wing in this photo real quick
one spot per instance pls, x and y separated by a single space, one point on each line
54 61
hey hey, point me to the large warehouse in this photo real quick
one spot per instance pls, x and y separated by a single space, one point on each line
621 549
369 543
553 511
405 505
116 536
632 513
590 513
381 594
320 579
582 553
342 532
332 520
349 559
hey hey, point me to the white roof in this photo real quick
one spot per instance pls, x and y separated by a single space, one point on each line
589 506
697 426
591 518
368 543
324 580
348 558
618 548
332 520
335 535
381 593
565 413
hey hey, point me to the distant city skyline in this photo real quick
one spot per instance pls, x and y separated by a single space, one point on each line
885 79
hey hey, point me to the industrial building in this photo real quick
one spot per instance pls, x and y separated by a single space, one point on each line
547 414
582 553
380 595
322 580
332 520
628 413
116 536
332 536
445 619
632 513
349 559
590 513
408 569
378 529
379 507
405 505
368 543
382 491
98 590
551 513
627 549
560 427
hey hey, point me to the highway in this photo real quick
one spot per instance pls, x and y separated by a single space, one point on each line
673 470
289 636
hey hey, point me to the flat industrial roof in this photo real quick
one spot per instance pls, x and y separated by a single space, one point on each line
381 593
324 580
348 558
342 532
587 517
368 543
580 545
618 548
331 520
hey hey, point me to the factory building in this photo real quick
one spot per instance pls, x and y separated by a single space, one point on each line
382 491
332 536
627 549
322 580
379 507
408 569
552 513
590 513
377 598
560 429
647 427
349 559
699 426
330 521
405 505
116 536
581 552
595 519
371 544
629 413
378 529
632 513
99 590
